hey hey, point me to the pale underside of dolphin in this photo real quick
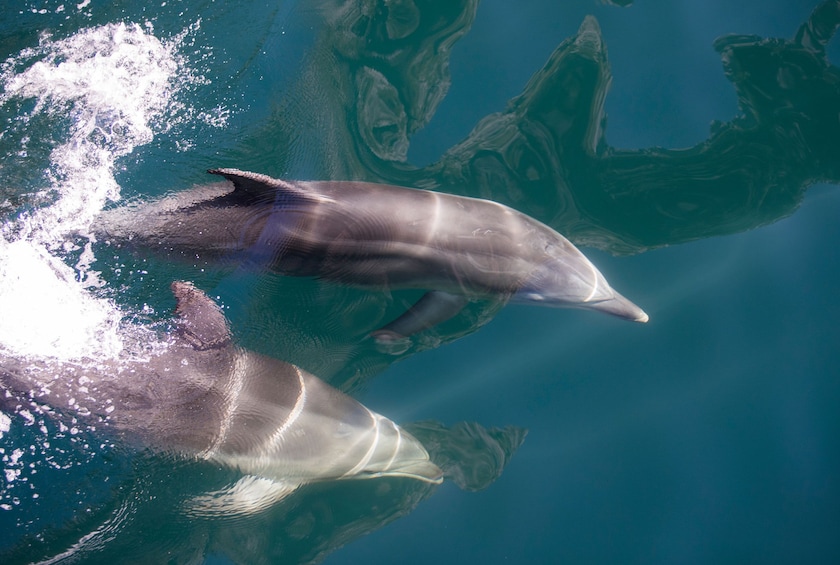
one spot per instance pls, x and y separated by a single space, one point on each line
209 399
376 236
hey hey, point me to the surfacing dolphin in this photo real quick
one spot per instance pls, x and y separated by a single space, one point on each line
376 236
198 394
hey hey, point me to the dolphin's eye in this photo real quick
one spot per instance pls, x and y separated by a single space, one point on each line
343 431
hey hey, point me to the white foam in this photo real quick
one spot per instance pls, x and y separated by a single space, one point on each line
114 85
46 313
112 82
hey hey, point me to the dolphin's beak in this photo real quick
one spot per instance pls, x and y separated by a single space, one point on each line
618 306
423 470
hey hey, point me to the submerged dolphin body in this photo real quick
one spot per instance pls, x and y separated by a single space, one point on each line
376 236
202 396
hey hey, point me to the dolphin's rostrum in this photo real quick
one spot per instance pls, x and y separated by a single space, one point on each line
376 236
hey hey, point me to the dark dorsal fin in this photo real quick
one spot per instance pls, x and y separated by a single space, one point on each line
200 321
254 185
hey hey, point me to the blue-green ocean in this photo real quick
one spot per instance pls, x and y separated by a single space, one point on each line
690 149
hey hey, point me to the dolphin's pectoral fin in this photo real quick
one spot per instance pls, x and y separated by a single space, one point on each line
200 321
248 495
433 308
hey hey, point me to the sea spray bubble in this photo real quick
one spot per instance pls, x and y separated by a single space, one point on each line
5 424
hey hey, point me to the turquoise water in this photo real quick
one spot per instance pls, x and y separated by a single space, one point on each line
707 435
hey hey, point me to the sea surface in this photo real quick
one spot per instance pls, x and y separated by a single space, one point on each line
690 149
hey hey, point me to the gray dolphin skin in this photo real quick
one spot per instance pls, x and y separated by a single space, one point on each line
200 395
375 236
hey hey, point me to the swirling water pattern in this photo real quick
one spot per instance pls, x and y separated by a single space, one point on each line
709 435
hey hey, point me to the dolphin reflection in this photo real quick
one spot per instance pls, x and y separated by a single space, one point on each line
168 502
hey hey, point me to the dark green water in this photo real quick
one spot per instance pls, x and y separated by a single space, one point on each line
709 434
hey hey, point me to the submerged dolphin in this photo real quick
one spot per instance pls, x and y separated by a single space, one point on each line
200 395
376 236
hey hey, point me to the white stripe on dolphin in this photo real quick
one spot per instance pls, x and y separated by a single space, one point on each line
377 236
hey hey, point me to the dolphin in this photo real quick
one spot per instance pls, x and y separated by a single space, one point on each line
198 394
374 236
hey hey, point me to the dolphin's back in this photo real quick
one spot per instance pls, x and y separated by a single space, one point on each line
376 235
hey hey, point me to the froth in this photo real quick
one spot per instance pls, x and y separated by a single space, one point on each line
46 313
112 83
108 89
